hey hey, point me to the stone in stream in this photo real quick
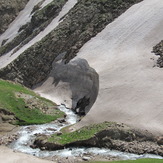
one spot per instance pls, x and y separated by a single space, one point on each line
86 158
51 129
61 120
59 133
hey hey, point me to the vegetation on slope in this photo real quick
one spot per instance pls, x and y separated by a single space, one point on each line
39 21
9 9
25 105
85 20
104 135
84 133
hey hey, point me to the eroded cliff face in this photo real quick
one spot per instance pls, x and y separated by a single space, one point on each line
9 9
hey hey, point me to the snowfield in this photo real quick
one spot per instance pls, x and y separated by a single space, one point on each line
131 86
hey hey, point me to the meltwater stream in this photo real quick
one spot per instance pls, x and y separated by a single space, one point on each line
27 135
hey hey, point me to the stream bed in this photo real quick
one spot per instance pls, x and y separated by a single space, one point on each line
27 135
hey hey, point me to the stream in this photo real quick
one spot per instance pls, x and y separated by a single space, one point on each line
27 135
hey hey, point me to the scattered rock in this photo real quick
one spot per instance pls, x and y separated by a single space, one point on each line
61 120
86 158
115 136
59 133
51 129
7 139
158 50
160 140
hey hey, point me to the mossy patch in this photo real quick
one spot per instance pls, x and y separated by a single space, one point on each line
24 113
81 134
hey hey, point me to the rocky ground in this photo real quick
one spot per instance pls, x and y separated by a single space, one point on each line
158 50
8 133
9 9
10 156
79 159
39 21
115 136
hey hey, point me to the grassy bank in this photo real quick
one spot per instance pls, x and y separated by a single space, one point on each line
132 161
27 107
82 134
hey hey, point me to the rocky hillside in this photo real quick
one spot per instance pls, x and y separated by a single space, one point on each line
19 105
66 39
158 50
39 21
9 9
114 38
64 42
105 135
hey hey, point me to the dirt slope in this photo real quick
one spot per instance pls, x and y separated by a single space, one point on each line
130 85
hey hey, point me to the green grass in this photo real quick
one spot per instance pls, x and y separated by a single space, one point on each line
26 116
131 161
81 134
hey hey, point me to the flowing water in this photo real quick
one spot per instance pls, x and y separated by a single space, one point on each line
27 134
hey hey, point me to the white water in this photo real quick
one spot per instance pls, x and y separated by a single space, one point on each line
28 134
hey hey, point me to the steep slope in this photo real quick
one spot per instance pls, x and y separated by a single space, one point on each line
9 57
61 43
9 9
19 105
40 19
130 84
158 50
21 19
67 37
